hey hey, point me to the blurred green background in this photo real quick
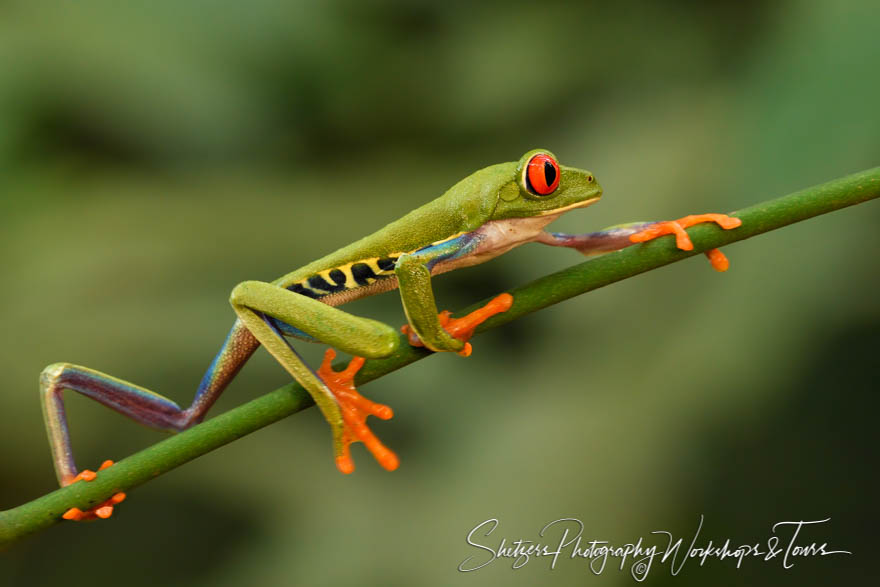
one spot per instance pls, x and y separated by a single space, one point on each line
152 156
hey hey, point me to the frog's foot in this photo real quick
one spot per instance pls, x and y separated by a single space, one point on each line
463 328
355 408
682 240
103 510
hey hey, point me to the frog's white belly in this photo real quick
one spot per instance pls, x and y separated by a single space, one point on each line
496 237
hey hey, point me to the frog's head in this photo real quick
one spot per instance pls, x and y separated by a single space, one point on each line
540 186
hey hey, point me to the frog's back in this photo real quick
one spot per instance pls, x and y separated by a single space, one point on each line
368 264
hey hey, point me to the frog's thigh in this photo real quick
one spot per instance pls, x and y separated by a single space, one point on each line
352 334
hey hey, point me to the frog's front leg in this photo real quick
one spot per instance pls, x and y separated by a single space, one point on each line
417 297
624 235
606 240
257 302
440 332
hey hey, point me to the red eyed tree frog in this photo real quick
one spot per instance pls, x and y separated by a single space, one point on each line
484 215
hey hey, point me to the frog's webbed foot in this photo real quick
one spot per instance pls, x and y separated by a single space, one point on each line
103 510
355 408
682 240
463 328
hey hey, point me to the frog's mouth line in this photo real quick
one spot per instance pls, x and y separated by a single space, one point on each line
583 204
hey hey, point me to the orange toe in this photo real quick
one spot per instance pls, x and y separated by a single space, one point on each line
104 512
85 475
718 260
74 514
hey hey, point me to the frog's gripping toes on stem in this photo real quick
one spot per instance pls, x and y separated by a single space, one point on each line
484 215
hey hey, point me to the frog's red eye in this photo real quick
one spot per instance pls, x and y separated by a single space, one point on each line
542 175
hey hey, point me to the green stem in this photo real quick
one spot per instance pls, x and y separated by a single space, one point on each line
186 446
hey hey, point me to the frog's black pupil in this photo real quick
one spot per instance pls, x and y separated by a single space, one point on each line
549 173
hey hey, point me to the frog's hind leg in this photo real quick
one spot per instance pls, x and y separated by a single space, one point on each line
131 400
138 403
260 306
354 407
